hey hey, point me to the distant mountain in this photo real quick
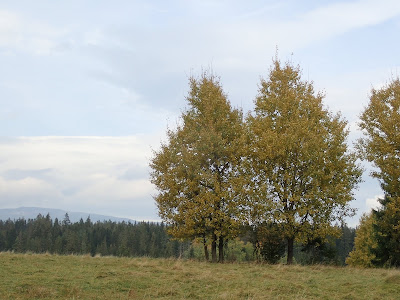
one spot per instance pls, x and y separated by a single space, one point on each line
32 213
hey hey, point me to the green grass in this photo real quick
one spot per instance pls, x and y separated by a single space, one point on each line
34 276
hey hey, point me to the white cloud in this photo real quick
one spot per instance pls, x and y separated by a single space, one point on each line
26 187
30 36
303 28
69 152
334 19
144 52
372 203
78 173
106 188
230 44
339 17
9 27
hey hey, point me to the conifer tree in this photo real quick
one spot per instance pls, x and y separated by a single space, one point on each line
345 243
387 233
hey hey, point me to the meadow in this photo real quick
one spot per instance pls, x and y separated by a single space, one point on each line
45 276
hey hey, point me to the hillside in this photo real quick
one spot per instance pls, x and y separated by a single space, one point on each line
82 277
32 213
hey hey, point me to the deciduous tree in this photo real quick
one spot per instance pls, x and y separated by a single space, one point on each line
364 243
303 173
196 171
380 122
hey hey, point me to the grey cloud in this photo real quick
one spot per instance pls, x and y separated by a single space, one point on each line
155 64
71 191
63 46
134 173
18 174
141 73
34 200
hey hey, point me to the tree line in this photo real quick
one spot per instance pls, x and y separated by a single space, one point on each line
44 235
285 171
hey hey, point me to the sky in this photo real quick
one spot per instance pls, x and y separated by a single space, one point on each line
89 88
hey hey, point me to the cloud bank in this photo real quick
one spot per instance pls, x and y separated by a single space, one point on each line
91 174
120 69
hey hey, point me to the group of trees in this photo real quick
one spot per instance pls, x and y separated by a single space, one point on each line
85 237
280 177
269 246
44 234
378 236
283 170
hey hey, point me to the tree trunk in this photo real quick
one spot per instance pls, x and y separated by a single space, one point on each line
205 249
214 248
290 242
221 249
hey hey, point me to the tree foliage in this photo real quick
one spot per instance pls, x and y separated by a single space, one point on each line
331 250
387 232
268 242
320 250
196 171
302 172
364 244
42 234
345 243
380 145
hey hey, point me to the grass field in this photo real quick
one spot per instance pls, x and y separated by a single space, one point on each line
34 276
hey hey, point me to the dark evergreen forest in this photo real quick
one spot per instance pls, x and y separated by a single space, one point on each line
85 237
42 234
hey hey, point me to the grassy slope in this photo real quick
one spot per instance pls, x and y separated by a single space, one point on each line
33 276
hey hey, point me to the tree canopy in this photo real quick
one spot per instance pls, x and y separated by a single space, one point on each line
196 171
364 243
380 122
287 166
303 173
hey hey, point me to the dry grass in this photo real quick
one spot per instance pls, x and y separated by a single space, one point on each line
46 276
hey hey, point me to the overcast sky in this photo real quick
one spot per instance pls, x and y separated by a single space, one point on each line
88 88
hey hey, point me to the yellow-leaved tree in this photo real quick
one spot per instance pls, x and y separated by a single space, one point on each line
380 122
196 171
364 244
302 172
